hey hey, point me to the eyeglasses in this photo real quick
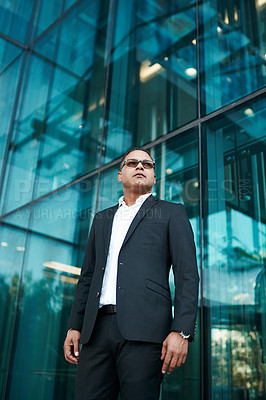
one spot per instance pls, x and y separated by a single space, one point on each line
133 162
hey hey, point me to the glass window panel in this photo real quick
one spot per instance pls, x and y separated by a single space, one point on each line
46 296
10 61
177 180
26 136
232 45
234 248
8 54
75 203
15 18
53 254
110 189
73 126
153 72
45 45
69 3
12 248
80 51
47 12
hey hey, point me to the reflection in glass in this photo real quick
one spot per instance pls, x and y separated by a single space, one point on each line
69 3
47 12
26 137
71 144
46 260
110 189
177 180
59 125
15 18
12 249
232 45
153 73
234 276
10 61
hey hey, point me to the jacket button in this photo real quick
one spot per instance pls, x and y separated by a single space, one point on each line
103 269
98 294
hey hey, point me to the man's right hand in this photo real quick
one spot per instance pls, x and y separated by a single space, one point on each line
71 346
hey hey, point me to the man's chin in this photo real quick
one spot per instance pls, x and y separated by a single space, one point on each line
141 188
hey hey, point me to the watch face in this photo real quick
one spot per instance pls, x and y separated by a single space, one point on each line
184 335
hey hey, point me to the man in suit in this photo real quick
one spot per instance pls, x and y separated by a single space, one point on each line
122 311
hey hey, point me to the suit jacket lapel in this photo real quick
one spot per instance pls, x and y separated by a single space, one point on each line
146 206
108 227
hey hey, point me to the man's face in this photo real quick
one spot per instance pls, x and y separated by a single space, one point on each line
139 179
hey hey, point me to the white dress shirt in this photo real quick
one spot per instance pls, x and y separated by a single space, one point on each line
121 223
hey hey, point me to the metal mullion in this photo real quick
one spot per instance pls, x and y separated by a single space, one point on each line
10 64
62 15
50 27
202 344
20 289
109 32
164 138
112 163
46 110
45 235
68 185
19 89
13 41
233 105
206 118
55 64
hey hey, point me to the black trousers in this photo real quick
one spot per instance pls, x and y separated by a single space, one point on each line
109 365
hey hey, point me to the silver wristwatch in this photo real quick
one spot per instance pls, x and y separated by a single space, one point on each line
184 335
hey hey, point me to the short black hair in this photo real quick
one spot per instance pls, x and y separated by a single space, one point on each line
133 149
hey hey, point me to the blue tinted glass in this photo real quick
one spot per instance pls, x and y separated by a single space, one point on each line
15 18
110 189
69 3
78 52
45 293
46 13
52 256
232 44
12 248
8 54
69 207
177 180
24 152
153 73
61 108
10 61
234 248
71 145
177 170
45 45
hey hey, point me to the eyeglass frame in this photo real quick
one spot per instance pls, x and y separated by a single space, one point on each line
139 161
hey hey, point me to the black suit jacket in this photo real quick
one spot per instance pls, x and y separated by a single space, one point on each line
159 236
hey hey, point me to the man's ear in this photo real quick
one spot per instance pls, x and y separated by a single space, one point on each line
154 180
119 176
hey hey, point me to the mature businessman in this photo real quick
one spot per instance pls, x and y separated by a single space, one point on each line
122 311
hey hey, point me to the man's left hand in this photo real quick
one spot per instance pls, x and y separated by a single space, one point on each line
174 352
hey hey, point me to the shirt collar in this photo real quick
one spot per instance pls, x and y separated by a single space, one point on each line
140 200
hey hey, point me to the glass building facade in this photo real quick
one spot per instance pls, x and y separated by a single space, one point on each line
81 82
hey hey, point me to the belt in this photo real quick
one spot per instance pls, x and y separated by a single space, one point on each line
108 309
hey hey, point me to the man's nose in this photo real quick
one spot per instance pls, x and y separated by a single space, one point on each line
139 165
